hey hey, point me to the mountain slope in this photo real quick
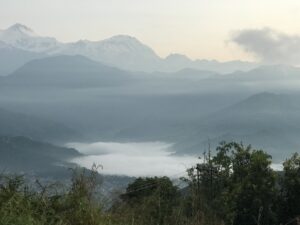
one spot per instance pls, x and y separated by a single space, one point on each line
65 71
175 62
17 124
22 37
12 58
265 102
122 51
266 120
266 73
21 154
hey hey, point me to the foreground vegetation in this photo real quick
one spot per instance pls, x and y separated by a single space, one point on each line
235 186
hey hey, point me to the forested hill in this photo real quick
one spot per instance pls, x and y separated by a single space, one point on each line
19 124
24 155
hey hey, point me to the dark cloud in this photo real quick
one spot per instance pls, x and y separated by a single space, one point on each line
269 45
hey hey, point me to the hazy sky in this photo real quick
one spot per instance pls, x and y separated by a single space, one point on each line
197 28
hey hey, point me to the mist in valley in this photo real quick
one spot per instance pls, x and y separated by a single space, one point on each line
149 112
70 94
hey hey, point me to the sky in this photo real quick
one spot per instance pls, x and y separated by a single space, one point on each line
210 29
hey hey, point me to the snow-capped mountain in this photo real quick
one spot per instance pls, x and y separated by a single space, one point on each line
122 51
22 37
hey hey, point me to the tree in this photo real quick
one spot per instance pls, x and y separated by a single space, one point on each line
253 186
237 184
290 188
151 200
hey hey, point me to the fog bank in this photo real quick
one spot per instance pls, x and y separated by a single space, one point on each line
134 159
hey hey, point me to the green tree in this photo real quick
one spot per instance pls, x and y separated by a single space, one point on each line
151 200
253 186
290 188
237 184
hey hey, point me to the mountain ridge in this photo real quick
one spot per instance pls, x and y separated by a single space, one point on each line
22 154
264 119
122 51
65 71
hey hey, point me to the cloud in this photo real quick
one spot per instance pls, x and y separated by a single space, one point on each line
269 45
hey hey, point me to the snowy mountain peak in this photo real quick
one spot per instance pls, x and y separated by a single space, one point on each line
123 51
128 48
123 38
128 41
178 58
21 29
23 37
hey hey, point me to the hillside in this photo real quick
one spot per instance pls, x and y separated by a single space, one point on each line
18 124
21 154
266 73
12 58
65 71
266 120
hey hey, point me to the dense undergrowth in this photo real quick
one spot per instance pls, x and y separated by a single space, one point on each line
235 186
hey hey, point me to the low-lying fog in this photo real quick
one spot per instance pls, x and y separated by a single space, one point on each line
134 159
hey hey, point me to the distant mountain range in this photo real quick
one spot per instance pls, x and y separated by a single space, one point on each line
80 71
266 73
126 117
265 120
65 71
120 51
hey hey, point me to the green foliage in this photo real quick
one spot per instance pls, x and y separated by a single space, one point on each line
151 200
20 206
235 186
290 182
